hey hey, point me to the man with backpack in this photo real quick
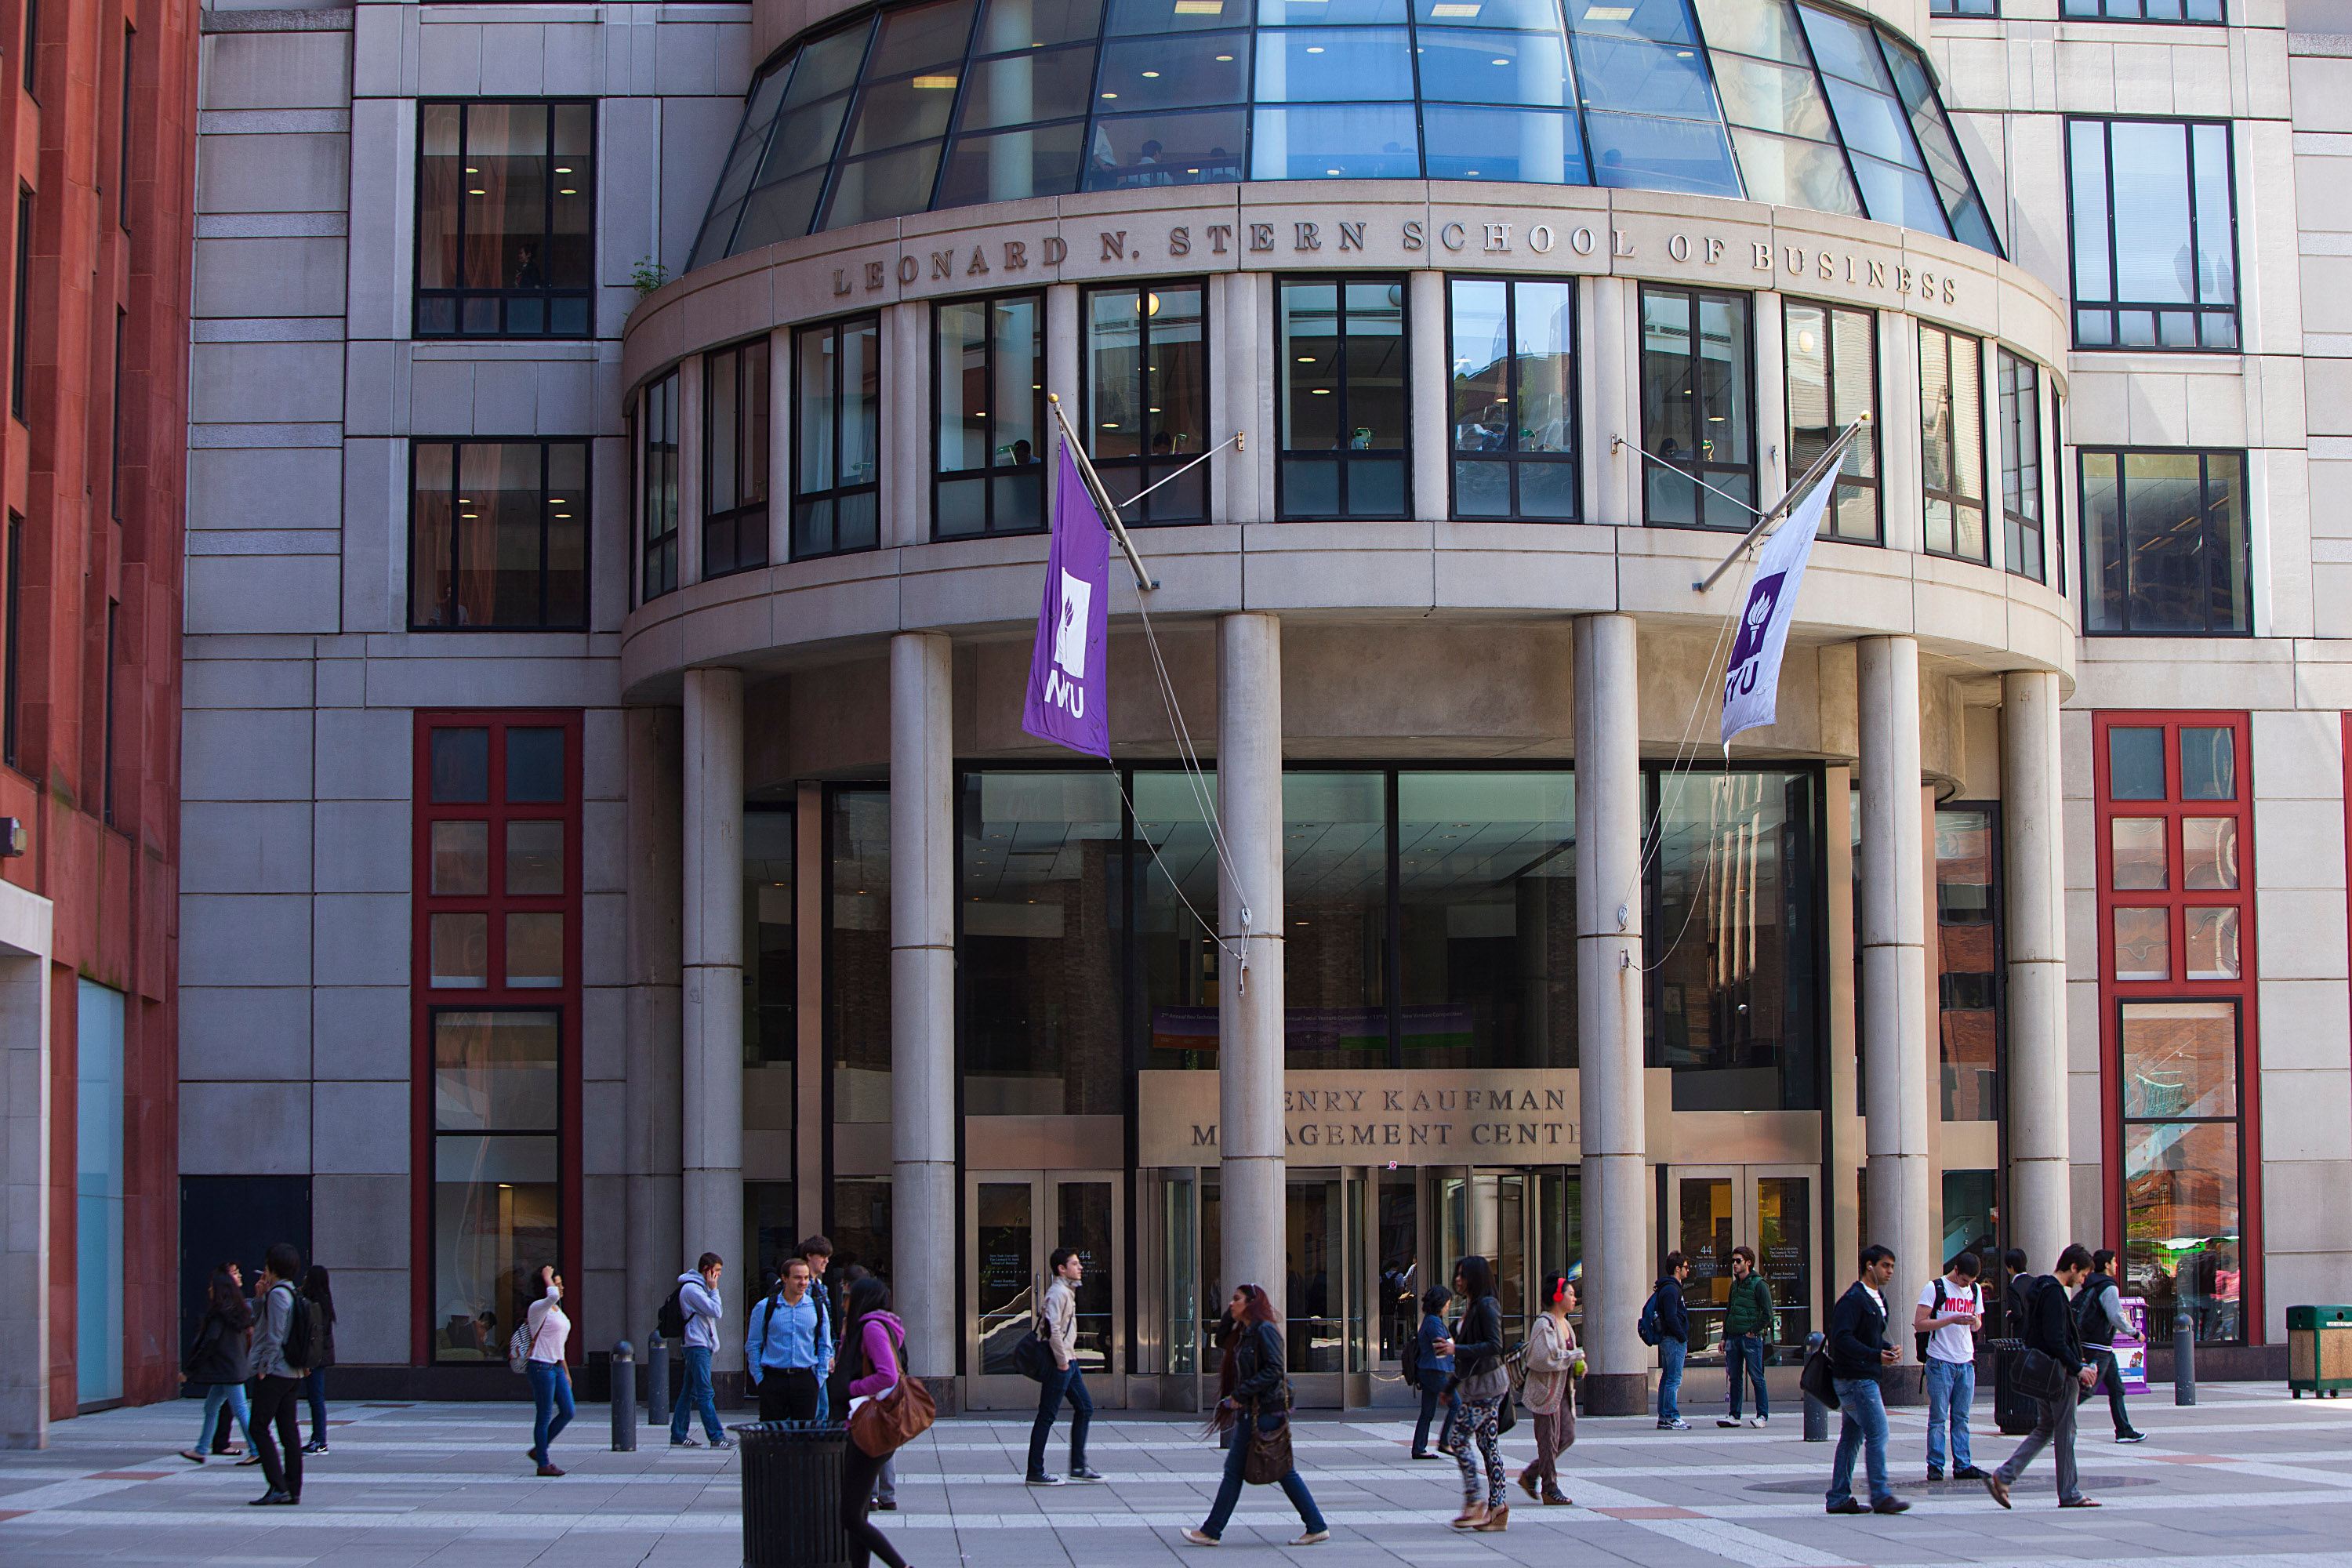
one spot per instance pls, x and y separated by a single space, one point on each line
1665 1323
1747 1331
1950 1311
2050 1328
786 1352
1857 1348
284 1341
697 1301
2099 1314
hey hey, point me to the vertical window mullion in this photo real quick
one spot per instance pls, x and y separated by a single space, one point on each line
546 507
456 524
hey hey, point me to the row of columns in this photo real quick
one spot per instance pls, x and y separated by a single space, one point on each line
704 1208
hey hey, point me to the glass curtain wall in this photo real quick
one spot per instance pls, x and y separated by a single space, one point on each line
657 482
1832 380
1146 396
988 372
857 953
1341 353
1952 437
837 373
2164 545
2155 234
1335 960
2021 465
1513 348
1968 962
1697 403
771 969
735 448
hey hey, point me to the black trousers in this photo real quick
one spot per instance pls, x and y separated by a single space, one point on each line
788 1393
858 1472
275 1400
2114 1374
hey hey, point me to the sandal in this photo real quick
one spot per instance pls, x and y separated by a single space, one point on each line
1498 1518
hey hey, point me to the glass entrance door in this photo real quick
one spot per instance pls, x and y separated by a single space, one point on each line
1767 1208
1014 1222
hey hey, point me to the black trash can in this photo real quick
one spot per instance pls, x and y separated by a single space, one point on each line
2012 1412
792 1494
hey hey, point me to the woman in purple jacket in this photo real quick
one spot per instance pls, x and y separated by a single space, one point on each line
871 1347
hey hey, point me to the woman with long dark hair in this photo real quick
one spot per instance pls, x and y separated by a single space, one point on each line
314 1388
1480 1378
1549 1392
873 1347
1254 1396
219 1360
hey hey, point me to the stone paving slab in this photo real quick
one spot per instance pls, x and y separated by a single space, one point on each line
2247 1479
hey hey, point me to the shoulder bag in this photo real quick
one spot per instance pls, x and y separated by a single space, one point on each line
1817 1379
1269 1452
2037 1376
895 1417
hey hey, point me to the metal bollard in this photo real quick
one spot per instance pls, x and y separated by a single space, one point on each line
656 1382
1817 1415
2184 1359
625 1399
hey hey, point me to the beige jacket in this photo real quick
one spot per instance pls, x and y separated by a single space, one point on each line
1061 1320
1552 1351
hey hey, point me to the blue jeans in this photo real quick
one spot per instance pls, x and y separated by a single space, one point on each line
1057 1387
697 1396
1865 1427
1434 1393
233 1395
1229 1491
1952 1389
313 1387
1670 1355
1745 1354
551 1391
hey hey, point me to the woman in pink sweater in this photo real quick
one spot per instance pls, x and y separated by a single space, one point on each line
870 1348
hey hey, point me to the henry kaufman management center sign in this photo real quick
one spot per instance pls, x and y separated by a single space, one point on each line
1526 1117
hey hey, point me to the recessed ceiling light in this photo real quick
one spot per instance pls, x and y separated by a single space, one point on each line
1322 392
1446 8
1111 95
472 193
935 84
1609 13
1314 49
1200 8
1499 62
1224 56
1150 74
562 170
1330 170
1191 170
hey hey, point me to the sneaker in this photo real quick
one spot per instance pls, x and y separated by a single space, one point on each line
1890 1505
1313 1538
1726 1420
1040 1478
722 1442
686 1442
1759 1420
2131 1436
1850 1505
1934 1474
1674 1425
1086 1473
318 1446
1202 1537
1968 1473
1998 1488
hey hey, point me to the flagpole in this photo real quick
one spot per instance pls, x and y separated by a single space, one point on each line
1796 492
1144 581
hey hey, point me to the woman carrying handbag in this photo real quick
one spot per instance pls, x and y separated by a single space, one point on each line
1549 1392
1253 1405
873 1345
1483 1382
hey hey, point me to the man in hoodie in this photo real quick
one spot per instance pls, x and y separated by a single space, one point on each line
2050 1328
275 1379
2099 1311
1058 1316
697 1298
1673 1341
1858 1347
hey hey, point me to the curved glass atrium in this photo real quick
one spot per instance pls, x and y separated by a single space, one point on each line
956 102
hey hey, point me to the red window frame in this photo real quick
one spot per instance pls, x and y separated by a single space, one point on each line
2177 900
563 1000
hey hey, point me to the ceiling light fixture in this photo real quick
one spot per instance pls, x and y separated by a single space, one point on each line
935 84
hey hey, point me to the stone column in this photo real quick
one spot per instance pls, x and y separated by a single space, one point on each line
1898 1097
1249 920
1609 1013
2039 1196
923 999
1433 391
712 1109
653 1108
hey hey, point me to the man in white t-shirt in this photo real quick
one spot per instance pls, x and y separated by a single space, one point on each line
1950 1311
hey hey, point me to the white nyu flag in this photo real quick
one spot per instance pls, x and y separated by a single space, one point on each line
1751 681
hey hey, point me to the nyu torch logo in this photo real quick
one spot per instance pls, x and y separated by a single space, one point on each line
1069 694
1747 652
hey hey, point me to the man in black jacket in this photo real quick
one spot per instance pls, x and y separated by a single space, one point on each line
1673 1341
2050 1328
1858 1347
2099 1314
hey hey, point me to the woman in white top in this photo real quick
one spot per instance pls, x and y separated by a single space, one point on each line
550 1381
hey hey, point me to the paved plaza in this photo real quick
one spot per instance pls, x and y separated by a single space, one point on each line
2249 1478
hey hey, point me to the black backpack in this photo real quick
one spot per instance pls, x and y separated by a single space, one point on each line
1924 1335
671 1322
1410 1359
301 1346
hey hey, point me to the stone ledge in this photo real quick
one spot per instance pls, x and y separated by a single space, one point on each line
325 19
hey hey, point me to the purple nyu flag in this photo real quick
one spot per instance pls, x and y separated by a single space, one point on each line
1751 680
1067 681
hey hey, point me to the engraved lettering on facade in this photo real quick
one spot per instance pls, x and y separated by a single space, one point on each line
1763 257
1679 248
1261 236
1114 245
1053 250
1352 236
1305 237
978 264
1714 250
1179 242
1219 233
874 274
1539 239
1016 255
910 269
1416 235
1454 237
1498 236
1877 274
1624 244
942 263
1582 242
840 280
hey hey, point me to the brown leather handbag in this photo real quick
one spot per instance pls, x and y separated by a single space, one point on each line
889 1421
1269 1452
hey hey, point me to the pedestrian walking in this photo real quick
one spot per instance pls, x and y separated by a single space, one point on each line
1858 1347
316 1290
886 1485
1549 1392
1058 1316
1949 1313
1667 1317
1746 1334
277 1369
2050 1328
551 1378
219 1360
872 1352
1435 1372
1482 1381
1254 1403
786 1349
698 1300
2099 1313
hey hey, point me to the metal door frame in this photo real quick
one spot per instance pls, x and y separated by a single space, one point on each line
1008 1391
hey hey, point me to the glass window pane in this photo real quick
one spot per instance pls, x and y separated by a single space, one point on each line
1023 24
1007 1270
1529 147
495 1217
534 765
1176 958
890 185
1335 897
1012 165
1310 352
1048 84
1723 432
2135 763
534 858
1199 147
1307 64
1114 419
495 1072
1784 1228
2212 937
1017 331
2151 211
460 951
2179 1059
1311 1241
461 858
1085 1228
857 951
1646 152
1792 172
2208 764
461 766
1351 141
2137 849
1766 29
961 389
921 35
2217 282
534 951
1148 74
2181 1224
1968 967
101 1169
2208 852
1544 363
1471 66
2143 944
1777 97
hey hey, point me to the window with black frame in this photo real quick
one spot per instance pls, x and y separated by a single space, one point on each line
2211 12
657 488
1697 409
2019 381
1832 380
499 536
1342 352
735 460
2165 549
1512 347
1951 439
838 397
2154 223
988 388
506 243
1144 384
1964 7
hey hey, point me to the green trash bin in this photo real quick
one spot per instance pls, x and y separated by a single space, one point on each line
2318 1350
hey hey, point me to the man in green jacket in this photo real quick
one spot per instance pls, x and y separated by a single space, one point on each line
1747 1330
